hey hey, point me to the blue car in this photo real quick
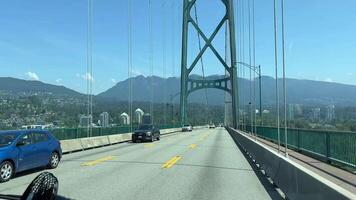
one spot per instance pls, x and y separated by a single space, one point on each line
27 149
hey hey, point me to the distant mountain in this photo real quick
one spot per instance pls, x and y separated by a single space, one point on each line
305 92
19 86
298 91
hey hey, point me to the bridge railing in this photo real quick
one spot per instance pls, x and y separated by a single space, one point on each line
336 147
76 133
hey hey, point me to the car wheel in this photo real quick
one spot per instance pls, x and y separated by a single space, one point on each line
6 171
159 138
54 160
44 186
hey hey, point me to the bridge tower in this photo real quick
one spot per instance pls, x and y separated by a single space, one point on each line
229 82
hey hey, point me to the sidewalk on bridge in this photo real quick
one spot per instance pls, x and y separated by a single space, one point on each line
343 178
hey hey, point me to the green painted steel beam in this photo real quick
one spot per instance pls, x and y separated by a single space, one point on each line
229 83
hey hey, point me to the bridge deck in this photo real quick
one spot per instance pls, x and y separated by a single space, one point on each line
210 167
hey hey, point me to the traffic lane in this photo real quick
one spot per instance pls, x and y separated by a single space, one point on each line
214 169
140 170
128 173
69 167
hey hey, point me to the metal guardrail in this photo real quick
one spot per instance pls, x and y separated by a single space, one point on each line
76 133
329 146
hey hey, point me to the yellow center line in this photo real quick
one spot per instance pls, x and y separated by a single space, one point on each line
171 162
148 145
98 161
192 146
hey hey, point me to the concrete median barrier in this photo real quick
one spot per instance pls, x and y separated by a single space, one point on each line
74 145
114 139
71 145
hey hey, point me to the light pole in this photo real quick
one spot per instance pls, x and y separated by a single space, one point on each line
257 70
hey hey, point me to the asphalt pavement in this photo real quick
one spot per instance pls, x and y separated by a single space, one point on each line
203 164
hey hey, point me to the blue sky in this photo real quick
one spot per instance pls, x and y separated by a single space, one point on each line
46 40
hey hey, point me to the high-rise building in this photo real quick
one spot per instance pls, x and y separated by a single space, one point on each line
330 113
139 113
125 119
315 114
104 119
85 121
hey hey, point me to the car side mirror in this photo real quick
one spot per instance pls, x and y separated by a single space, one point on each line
21 143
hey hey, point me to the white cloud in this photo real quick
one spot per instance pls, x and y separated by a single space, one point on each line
113 80
86 76
59 81
350 74
32 76
328 80
137 72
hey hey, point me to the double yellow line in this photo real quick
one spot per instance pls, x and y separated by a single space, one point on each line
171 162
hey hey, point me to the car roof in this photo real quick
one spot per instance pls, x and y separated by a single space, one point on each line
20 132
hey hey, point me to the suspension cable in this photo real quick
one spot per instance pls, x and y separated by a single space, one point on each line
173 55
129 70
250 63
284 83
164 63
254 62
151 56
243 60
88 75
276 71
201 63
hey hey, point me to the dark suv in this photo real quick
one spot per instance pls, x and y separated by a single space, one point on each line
146 132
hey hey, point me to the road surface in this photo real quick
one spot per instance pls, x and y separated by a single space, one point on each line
203 164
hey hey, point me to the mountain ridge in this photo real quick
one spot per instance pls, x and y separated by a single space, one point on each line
299 91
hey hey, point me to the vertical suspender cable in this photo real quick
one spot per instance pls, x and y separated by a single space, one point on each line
89 73
250 63
151 56
164 62
254 64
91 69
238 54
201 63
238 32
242 67
173 56
276 71
284 84
129 29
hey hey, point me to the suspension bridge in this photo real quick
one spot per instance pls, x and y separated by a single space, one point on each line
242 160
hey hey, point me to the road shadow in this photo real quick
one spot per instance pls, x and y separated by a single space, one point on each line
270 188
31 171
59 197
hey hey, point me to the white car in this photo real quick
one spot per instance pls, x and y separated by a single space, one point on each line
211 125
187 127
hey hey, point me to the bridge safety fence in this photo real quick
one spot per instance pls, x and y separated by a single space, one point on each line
75 133
335 147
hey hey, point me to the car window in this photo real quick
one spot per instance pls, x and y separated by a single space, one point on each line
40 137
6 139
145 127
27 139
